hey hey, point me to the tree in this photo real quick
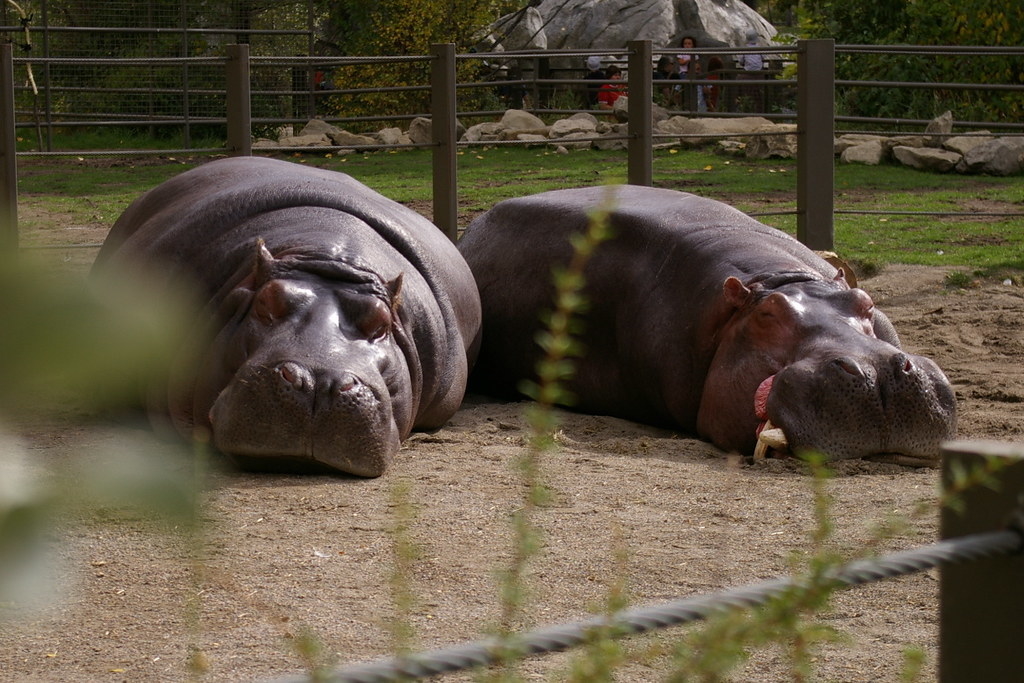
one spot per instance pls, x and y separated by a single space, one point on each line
935 23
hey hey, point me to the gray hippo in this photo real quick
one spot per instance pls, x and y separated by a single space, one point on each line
704 320
340 319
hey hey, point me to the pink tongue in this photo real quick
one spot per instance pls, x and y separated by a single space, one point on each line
761 397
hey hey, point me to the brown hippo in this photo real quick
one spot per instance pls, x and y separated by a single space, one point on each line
341 320
705 320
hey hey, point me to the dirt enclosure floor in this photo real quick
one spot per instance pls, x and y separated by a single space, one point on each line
283 556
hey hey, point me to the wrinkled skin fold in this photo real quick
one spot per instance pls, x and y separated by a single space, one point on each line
704 319
333 320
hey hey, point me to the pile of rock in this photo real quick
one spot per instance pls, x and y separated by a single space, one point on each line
753 137
937 150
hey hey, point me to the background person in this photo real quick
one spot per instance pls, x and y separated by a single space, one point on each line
751 64
594 73
610 92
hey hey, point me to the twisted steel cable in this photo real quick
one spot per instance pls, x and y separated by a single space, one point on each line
562 637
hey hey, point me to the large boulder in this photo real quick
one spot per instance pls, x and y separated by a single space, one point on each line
1002 156
585 123
522 30
848 140
777 140
610 24
962 144
926 158
519 120
681 125
939 129
870 152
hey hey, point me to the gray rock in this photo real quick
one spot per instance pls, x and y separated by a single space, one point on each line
532 139
517 119
392 136
314 140
620 110
962 144
585 116
926 158
606 141
483 132
421 131
781 142
844 142
871 153
1002 156
903 141
565 127
733 148
610 24
577 140
342 138
519 31
731 127
940 127
317 127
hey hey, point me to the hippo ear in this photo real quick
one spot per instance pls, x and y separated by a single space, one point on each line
841 277
736 293
395 290
262 266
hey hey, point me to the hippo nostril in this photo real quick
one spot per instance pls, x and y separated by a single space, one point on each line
903 363
293 374
343 383
849 366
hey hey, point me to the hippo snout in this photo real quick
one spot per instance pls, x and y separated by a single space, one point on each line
857 406
309 418
322 389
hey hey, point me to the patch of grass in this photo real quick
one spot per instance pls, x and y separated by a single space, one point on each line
97 190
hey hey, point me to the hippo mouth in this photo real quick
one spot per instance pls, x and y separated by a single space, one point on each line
772 441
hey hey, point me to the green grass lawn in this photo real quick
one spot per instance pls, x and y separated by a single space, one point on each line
97 190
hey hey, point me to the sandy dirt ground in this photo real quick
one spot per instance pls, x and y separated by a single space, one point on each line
284 556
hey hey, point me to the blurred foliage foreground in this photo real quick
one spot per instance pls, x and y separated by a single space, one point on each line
68 347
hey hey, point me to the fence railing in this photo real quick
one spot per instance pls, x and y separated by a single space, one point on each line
238 94
814 206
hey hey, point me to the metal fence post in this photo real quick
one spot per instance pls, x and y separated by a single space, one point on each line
8 154
239 101
641 121
981 621
815 162
443 135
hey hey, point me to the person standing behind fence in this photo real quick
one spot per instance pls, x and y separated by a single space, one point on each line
667 70
689 67
751 64
610 92
594 73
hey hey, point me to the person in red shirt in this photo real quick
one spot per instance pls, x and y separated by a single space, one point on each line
610 92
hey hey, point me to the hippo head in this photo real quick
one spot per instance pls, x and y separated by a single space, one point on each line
307 372
817 360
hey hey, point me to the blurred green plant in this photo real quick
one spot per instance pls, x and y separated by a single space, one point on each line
63 349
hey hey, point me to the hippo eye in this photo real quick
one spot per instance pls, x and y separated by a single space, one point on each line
271 303
375 322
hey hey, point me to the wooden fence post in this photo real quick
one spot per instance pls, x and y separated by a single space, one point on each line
981 627
815 159
239 102
443 110
641 123
8 154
